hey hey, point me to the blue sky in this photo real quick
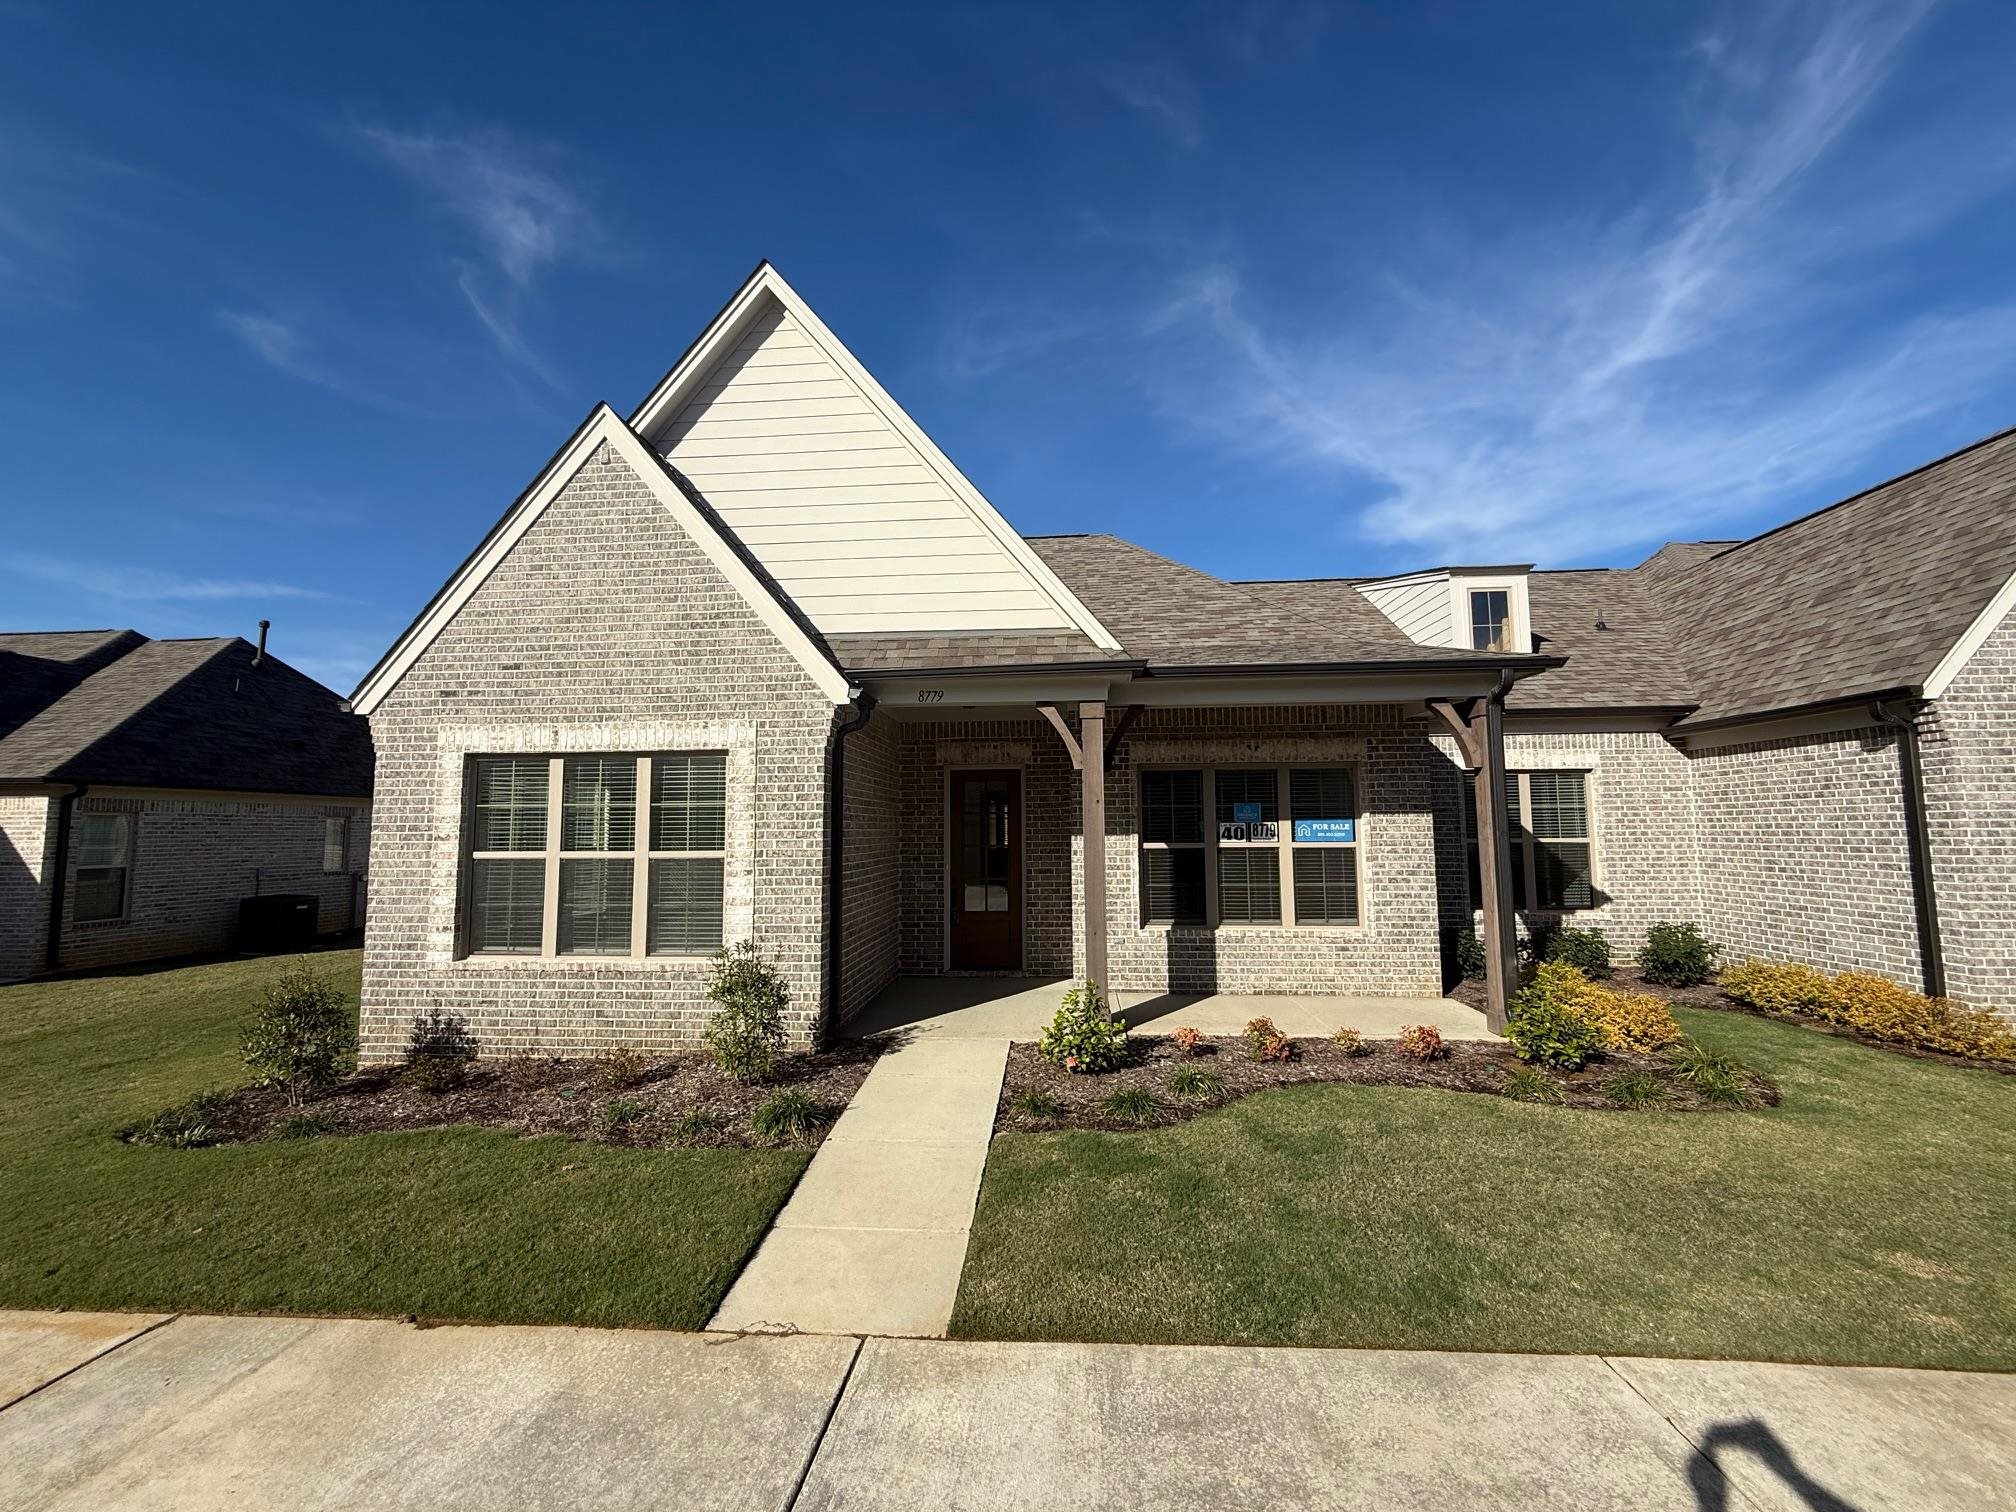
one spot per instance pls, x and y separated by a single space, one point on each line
295 300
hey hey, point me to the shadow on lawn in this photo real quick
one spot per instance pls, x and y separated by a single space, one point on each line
1711 1487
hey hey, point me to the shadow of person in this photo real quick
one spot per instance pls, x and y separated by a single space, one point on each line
1711 1485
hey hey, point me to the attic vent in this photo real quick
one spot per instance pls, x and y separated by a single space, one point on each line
1601 622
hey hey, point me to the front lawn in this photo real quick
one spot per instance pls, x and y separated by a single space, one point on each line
1870 1218
459 1224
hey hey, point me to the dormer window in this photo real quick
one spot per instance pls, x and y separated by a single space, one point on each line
1490 619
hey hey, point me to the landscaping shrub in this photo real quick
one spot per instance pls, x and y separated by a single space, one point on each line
1584 949
1528 1084
1266 1043
1186 1039
1422 1042
1470 956
1872 1005
1549 1022
186 1126
695 1123
1630 1023
1716 1078
1635 1089
1038 1104
1135 1105
746 1034
301 1126
621 1067
1082 1037
621 1113
1196 1083
788 1116
1351 1042
1677 955
301 1036
438 1051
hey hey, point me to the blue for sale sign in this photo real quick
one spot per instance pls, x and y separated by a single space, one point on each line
1326 831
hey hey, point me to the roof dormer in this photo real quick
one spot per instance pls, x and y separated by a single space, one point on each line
1463 608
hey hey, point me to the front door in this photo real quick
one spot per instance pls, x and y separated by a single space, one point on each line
986 871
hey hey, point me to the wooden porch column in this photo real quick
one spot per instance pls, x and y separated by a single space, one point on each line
1479 728
1092 822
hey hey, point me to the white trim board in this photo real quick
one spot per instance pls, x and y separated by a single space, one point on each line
604 427
752 303
1985 623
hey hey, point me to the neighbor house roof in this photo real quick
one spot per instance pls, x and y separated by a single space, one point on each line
211 714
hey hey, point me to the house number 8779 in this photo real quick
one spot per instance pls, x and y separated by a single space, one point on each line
930 695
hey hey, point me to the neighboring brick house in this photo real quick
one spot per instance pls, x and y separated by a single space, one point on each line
148 787
758 663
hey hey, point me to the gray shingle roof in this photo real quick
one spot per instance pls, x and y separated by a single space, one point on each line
1030 648
1630 664
38 667
195 714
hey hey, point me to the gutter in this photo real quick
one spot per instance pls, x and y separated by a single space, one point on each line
1917 837
52 948
1870 701
1510 667
836 786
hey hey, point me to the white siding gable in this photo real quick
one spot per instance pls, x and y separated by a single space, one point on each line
864 528
1433 608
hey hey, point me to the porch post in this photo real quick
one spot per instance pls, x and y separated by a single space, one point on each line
1494 864
1092 823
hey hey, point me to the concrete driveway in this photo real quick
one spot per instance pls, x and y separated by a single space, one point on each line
197 1412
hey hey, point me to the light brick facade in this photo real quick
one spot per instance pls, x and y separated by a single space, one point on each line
26 832
605 630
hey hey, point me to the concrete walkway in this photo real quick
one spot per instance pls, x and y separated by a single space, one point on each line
874 1237
200 1412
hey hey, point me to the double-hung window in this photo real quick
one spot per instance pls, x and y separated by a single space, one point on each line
1250 864
1490 619
1553 852
104 867
596 855
335 844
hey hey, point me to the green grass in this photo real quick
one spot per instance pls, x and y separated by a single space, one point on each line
1870 1218
446 1224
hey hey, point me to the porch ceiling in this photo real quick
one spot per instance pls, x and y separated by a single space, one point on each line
1017 1008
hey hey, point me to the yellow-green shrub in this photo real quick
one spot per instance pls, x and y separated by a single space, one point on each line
1780 988
1872 1005
1631 1023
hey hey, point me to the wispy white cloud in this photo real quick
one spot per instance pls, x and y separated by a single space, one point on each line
146 584
278 343
519 217
1163 92
1582 389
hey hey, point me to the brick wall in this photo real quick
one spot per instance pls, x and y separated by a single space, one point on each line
27 824
871 883
1804 855
193 859
606 629
1968 739
1641 794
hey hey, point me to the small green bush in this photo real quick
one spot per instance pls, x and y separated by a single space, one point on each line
1082 1037
302 1035
1469 951
439 1049
1584 949
1715 1078
1529 1084
1636 1089
695 1123
790 1116
186 1126
621 1113
1677 955
746 1034
1350 1041
301 1126
1547 1023
1135 1105
1196 1083
1039 1105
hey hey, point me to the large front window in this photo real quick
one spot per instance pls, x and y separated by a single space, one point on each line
1248 866
596 855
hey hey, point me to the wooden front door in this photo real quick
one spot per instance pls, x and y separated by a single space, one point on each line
985 868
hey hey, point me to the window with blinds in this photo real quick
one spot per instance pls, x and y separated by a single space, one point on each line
1553 851
1251 865
104 867
597 855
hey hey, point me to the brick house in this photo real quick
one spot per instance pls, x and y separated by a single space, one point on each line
148 787
759 663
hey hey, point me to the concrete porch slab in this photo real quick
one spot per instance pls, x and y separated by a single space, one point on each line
37 1347
922 1009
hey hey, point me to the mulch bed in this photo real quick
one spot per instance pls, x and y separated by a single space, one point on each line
532 1095
1470 1066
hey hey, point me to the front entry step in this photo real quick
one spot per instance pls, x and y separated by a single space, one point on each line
873 1239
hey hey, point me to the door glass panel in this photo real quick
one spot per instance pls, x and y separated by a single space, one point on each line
986 818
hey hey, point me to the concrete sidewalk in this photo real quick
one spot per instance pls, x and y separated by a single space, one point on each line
197 1412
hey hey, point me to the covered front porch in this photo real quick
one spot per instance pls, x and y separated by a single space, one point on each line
1017 1008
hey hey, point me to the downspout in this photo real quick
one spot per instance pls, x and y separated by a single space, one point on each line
836 786
1917 840
52 949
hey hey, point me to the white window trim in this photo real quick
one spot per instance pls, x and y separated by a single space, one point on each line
1513 586
456 744
1285 846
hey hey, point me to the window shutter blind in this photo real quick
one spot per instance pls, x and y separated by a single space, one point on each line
1249 885
1326 885
509 902
511 803
594 908
1172 886
689 802
598 803
685 908
1172 807
1321 793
